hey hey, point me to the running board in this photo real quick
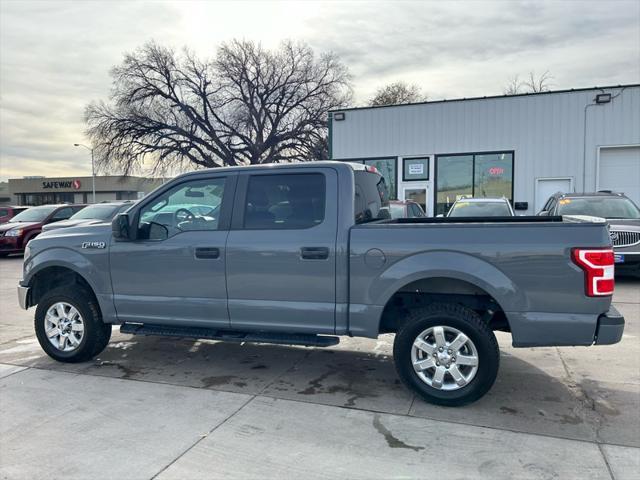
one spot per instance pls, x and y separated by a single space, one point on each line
306 340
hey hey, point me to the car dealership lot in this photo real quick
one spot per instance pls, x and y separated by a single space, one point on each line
158 407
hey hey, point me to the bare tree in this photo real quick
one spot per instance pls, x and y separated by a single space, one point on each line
247 105
533 84
539 84
397 93
513 86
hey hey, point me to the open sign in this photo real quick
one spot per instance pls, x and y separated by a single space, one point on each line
496 171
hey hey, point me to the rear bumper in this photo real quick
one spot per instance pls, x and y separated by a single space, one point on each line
610 327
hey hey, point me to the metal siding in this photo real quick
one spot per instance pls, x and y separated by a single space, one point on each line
545 131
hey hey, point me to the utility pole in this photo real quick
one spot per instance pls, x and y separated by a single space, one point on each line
93 170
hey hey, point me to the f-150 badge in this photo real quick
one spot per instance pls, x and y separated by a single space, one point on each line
94 244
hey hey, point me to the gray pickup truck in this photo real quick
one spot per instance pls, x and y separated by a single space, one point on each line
302 253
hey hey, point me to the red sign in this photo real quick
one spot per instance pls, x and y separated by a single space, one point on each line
76 184
496 171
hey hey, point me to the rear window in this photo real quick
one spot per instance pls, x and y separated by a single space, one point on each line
480 209
371 197
96 212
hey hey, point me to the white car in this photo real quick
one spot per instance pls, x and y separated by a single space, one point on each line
481 207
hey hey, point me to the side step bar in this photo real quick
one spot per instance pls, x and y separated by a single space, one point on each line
231 336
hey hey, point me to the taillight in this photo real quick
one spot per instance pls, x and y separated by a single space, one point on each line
597 264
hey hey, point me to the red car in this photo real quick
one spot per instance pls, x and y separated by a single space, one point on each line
7 213
15 234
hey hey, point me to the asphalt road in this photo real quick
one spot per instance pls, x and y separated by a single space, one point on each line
163 408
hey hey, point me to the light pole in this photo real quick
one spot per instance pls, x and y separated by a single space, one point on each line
93 170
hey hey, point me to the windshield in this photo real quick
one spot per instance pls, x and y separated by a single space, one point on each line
97 212
480 209
605 207
35 214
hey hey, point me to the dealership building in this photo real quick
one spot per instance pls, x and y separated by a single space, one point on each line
523 147
45 190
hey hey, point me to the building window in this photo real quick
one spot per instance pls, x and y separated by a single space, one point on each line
473 175
415 169
388 169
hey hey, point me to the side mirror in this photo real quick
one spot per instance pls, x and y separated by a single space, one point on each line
120 227
543 213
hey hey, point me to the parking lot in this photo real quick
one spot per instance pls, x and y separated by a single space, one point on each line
164 408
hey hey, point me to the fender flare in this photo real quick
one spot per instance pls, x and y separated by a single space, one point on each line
452 265
61 257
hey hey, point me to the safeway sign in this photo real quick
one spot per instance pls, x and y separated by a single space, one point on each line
58 184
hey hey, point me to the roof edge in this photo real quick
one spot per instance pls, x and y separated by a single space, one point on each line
488 97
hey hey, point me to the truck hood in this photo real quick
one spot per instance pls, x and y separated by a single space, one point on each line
8 226
74 238
71 223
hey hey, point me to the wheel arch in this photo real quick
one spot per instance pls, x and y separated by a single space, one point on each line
74 267
467 274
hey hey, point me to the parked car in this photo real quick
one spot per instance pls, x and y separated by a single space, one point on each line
7 213
405 209
622 214
481 207
92 214
15 234
325 266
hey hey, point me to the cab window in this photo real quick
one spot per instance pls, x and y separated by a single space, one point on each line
285 201
190 206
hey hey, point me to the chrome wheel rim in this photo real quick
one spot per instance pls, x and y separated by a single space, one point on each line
63 326
444 358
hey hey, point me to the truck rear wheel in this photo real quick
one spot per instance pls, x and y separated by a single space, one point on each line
69 326
446 354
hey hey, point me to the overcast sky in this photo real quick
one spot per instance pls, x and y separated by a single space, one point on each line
55 56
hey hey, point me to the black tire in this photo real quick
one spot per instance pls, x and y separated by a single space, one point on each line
96 332
466 321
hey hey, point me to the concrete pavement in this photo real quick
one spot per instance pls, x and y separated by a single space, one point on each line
157 407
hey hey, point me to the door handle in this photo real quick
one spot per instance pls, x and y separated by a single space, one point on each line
314 253
207 252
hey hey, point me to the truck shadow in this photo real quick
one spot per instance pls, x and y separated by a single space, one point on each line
533 392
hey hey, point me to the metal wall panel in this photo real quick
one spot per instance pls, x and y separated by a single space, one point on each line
545 131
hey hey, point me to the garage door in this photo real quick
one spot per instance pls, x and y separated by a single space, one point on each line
620 171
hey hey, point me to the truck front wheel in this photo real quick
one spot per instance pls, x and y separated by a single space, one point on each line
446 354
69 326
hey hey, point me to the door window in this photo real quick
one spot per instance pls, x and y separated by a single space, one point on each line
285 201
190 206
418 195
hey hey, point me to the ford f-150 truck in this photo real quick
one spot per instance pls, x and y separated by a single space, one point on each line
303 253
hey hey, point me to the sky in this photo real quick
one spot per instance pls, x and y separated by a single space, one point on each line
55 56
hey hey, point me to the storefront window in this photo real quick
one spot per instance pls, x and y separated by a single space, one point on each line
493 175
388 169
473 175
454 179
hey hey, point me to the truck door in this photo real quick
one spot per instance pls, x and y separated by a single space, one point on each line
281 251
174 271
